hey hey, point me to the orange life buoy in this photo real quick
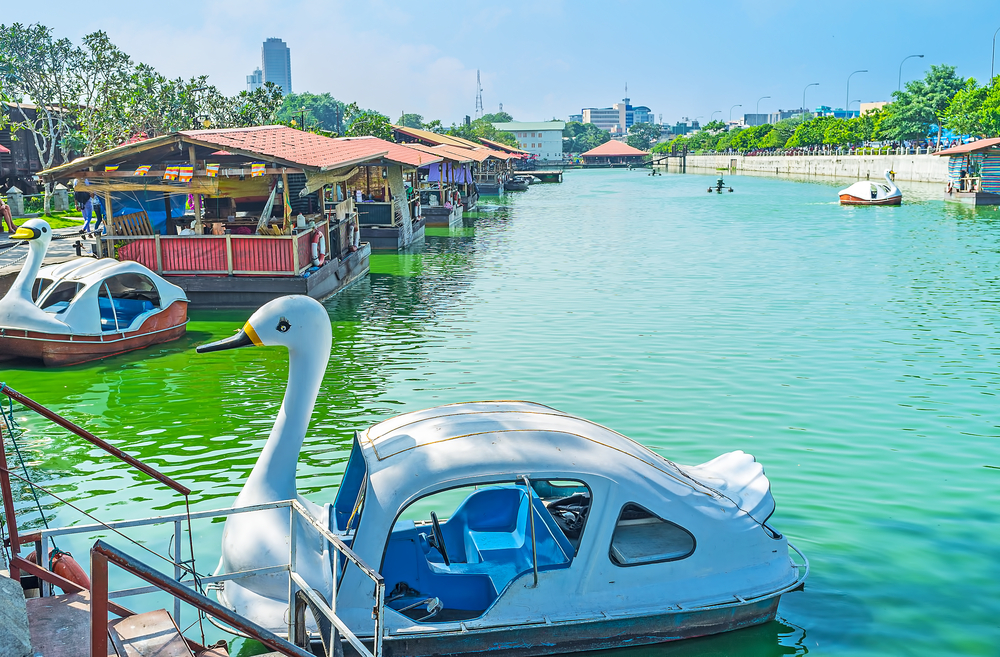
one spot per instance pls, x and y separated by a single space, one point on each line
318 248
63 564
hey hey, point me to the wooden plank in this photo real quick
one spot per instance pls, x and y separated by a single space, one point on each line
208 186
153 634
158 173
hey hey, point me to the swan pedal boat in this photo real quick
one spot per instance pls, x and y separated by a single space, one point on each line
872 193
84 309
502 526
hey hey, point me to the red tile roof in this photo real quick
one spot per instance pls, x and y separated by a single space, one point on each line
406 154
453 154
971 147
613 149
434 138
294 147
4 149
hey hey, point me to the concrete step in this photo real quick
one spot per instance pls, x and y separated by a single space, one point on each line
152 634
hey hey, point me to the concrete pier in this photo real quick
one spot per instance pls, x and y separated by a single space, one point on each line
911 168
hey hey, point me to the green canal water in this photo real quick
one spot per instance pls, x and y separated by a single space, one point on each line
853 351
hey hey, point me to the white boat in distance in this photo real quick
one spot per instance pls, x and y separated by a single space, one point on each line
872 193
505 527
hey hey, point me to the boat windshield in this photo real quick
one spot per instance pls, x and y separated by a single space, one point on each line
60 297
351 495
39 286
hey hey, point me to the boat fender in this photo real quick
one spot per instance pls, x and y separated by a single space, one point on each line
63 564
318 248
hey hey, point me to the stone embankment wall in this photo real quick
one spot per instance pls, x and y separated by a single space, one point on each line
913 168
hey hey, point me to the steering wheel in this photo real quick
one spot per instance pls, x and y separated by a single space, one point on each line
438 539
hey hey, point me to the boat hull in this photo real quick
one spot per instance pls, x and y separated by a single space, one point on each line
546 638
849 199
56 350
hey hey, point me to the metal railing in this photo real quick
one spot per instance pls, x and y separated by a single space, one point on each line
219 255
184 590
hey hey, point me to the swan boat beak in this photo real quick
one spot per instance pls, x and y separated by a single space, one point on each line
247 336
26 233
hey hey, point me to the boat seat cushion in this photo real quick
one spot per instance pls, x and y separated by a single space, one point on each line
126 310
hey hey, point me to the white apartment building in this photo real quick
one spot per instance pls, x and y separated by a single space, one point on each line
543 139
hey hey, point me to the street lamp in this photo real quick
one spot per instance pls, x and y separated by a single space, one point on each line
812 84
756 112
849 85
731 112
712 118
899 81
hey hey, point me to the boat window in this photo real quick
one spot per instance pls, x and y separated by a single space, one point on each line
351 495
451 554
59 298
134 287
39 286
642 537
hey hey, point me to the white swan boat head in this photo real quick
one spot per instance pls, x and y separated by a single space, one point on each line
505 524
84 309
872 193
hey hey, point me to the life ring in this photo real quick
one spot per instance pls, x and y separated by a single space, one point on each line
318 248
63 564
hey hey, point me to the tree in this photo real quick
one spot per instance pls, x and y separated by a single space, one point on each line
714 126
989 113
841 132
498 117
964 113
641 135
435 126
581 137
321 110
482 129
102 71
38 68
250 108
923 104
411 121
369 123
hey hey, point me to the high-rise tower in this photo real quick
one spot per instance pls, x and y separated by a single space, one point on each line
277 61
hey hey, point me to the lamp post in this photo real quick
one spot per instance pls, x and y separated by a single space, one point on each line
846 101
712 118
812 84
731 112
899 81
756 112
994 56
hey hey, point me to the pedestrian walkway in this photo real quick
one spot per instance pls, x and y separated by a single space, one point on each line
62 248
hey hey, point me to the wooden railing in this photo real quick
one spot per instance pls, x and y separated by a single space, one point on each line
218 255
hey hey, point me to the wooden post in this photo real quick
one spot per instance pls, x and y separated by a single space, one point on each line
108 213
196 197
229 254
159 255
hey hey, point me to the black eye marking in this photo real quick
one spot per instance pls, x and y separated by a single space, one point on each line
284 325
44 229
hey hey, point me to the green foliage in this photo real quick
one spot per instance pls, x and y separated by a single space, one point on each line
410 121
964 113
322 111
924 103
581 137
369 123
641 135
482 129
810 133
989 113
498 117
435 126
714 126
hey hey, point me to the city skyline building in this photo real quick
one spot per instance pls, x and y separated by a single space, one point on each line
618 118
255 80
276 60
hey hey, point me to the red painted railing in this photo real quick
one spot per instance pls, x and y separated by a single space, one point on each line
218 255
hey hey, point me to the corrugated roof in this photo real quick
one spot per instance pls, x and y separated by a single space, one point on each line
451 153
435 138
613 149
971 147
495 145
296 147
403 153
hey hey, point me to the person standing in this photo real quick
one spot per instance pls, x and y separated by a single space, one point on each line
98 211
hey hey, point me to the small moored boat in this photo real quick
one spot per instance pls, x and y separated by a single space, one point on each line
517 184
872 193
84 309
505 527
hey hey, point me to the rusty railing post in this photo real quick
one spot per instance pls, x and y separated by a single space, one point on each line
98 604
8 510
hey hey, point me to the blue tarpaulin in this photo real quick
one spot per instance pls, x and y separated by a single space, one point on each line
151 203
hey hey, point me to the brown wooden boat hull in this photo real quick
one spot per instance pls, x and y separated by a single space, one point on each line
847 199
56 349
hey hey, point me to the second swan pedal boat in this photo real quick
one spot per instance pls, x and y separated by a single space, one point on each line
84 309
501 527
872 193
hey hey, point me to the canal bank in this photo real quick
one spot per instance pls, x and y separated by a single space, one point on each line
910 168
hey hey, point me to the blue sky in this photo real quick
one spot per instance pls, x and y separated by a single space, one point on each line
549 58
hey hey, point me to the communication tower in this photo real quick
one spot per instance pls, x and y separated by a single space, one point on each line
479 97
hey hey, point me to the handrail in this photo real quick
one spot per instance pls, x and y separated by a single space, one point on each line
102 553
86 435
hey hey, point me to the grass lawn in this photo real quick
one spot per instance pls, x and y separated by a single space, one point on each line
64 219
